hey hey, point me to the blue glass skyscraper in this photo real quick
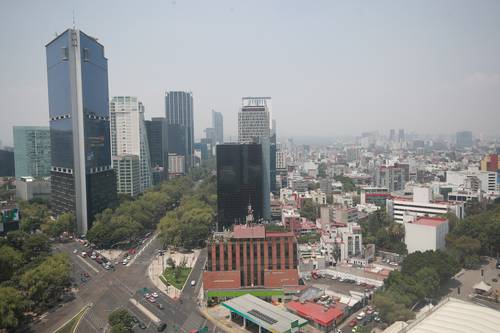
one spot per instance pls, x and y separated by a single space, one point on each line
180 125
82 179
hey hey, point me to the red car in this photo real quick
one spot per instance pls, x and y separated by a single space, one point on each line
353 323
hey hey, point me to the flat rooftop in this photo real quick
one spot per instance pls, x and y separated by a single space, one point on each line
264 314
430 221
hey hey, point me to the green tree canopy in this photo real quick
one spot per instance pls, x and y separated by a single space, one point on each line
32 216
120 321
12 306
46 282
309 210
10 261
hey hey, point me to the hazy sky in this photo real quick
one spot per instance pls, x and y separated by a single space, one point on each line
331 67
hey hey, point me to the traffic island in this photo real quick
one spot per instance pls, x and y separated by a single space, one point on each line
176 277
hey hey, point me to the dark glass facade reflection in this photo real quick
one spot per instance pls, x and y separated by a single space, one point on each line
82 179
180 124
239 182
156 129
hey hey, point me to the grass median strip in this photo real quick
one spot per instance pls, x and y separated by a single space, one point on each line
175 276
72 324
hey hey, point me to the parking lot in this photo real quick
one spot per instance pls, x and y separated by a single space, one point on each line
338 286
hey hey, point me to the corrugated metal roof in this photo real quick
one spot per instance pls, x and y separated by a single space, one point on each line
456 316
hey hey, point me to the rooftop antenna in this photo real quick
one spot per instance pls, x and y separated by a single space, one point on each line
73 18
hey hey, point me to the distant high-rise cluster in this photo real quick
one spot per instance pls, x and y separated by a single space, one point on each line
82 178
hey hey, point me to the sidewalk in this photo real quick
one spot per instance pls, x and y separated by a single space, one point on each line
158 265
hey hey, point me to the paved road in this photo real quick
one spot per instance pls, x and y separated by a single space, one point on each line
108 290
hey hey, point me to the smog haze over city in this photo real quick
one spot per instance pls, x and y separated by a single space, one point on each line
333 68
187 166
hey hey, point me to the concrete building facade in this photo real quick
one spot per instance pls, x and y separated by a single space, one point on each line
129 136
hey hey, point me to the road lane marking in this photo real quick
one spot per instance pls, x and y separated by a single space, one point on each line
140 251
85 261
148 313
82 311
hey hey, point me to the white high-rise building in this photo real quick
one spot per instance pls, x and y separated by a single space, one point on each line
254 119
254 126
128 174
129 136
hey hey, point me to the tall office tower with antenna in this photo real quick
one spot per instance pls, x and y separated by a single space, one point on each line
83 181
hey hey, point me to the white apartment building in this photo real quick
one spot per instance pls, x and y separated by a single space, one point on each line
280 157
128 174
426 233
128 134
254 119
175 165
422 205
342 243
465 178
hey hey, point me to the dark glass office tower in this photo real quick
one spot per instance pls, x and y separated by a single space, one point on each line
156 129
218 126
82 179
180 125
240 174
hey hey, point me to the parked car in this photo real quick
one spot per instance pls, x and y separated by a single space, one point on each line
159 306
155 294
142 325
193 283
353 323
162 327
75 251
84 254
360 316
152 299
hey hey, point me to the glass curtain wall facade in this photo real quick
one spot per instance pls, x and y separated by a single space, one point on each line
218 126
32 151
240 173
83 180
180 125
156 129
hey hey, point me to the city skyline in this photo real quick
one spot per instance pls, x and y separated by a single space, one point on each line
405 83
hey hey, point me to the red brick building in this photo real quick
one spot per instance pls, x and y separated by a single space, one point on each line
251 257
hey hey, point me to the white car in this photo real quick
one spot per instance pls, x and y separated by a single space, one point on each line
75 251
155 294
193 283
360 316
125 261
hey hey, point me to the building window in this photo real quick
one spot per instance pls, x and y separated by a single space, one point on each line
64 53
86 54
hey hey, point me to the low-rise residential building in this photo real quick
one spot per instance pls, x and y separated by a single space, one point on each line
374 195
342 243
344 215
324 318
426 233
422 205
